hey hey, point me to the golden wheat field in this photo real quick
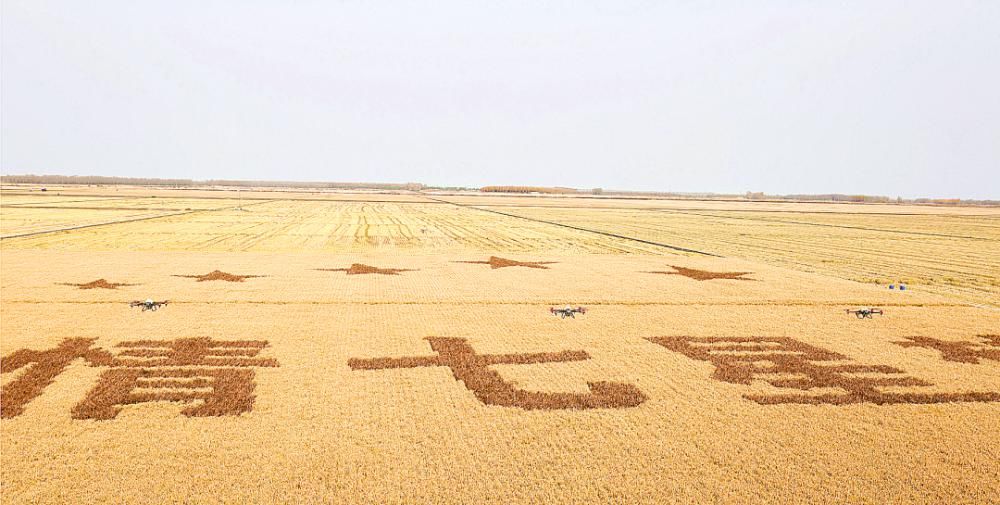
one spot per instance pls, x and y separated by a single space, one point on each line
378 347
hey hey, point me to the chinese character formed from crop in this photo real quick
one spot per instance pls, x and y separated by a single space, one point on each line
818 375
490 388
216 372
215 375
962 352
42 368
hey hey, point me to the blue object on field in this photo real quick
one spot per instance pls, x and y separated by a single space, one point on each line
902 287
892 286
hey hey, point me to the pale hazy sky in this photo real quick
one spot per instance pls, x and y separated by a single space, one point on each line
877 97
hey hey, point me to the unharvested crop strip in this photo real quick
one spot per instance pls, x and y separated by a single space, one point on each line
578 228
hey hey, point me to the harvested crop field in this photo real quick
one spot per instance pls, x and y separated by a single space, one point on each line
336 347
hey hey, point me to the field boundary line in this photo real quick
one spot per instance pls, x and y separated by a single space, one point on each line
56 207
578 228
96 199
245 198
121 221
987 307
825 225
761 211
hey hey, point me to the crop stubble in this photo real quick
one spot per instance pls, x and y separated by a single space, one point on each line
506 404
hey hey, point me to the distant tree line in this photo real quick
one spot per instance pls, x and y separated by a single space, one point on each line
525 189
416 186
832 197
92 180
869 199
761 196
145 181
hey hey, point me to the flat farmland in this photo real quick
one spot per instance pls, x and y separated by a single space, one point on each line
25 214
398 348
295 225
952 253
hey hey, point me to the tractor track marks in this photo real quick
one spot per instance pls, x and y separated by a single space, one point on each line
122 221
828 225
607 234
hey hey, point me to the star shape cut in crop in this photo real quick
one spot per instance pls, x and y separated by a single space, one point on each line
705 275
99 283
217 275
360 269
495 263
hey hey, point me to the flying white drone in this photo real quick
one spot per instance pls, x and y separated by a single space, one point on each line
148 304
567 312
